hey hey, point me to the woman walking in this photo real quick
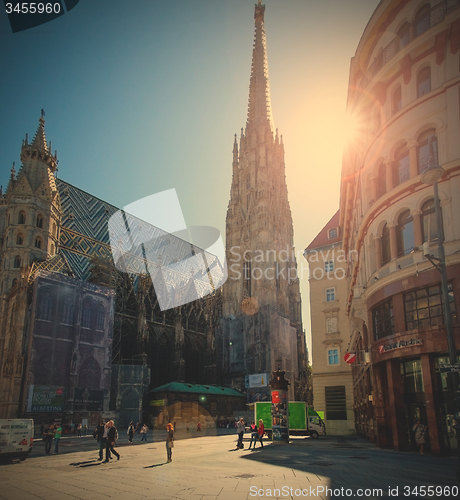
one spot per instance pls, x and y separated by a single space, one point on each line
420 431
169 441
112 435
131 432
254 435
261 433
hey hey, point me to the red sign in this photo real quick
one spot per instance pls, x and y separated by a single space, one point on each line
276 397
350 357
60 391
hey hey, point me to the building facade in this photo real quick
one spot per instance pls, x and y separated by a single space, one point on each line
331 378
261 328
405 92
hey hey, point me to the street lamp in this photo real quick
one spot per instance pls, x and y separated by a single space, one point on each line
431 175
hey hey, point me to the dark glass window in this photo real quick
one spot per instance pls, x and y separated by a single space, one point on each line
429 224
411 372
424 151
22 218
396 102
46 306
423 307
38 243
100 317
39 221
67 311
17 261
383 320
336 403
87 310
405 233
401 170
19 240
386 248
424 82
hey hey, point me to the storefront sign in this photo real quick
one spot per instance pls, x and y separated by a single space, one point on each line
88 399
400 345
157 402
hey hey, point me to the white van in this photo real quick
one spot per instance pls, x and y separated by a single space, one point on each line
16 438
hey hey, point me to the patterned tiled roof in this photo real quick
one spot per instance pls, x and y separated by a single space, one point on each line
85 233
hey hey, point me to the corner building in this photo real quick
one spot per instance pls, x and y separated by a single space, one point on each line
404 91
261 327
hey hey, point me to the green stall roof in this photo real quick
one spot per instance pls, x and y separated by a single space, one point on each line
182 387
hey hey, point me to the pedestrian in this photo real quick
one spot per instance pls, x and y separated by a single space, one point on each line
130 432
79 430
261 433
48 437
112 436
254 435
42 430
169 442
99 435
57 437
174 426
240 432
198 426
420 431
144 431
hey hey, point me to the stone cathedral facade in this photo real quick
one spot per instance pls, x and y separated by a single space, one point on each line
261 328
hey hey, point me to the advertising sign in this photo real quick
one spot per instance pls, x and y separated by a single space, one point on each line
88 399
258 380
46 398
280 415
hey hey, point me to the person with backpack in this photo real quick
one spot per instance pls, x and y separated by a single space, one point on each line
112 436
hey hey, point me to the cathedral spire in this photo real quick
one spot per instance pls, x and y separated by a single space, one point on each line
259 107
38 149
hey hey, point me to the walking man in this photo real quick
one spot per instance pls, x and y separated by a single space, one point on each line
112 435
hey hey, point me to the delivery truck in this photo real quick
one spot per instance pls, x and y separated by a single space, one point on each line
16 438
303 420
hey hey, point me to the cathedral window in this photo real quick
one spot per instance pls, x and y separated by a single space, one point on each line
52 249
17 261
54 229
46 306
87 310
38 243
19 239
68 311
100 317
22 217
39 221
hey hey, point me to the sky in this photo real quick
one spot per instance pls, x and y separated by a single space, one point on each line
142 96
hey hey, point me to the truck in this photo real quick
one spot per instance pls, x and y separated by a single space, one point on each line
303 420
16 438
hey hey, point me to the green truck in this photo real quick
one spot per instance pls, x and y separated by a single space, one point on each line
303 420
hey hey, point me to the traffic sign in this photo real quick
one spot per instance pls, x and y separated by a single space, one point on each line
350 357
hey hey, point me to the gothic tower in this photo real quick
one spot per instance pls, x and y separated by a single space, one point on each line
30 215
261 326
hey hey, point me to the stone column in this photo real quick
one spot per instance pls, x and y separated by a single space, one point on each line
430 404
393 242
397 410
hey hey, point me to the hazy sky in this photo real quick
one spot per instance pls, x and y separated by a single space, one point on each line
146 95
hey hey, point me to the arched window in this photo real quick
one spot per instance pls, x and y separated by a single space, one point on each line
46 305
39 222
100 317
424 151
401 170
15 282
52 249
429 224
386 249
19 239
68 311
404 35
422 20
17 261
396 101
381 181
405 233
87 310
424 81
22 217
54 229
38 243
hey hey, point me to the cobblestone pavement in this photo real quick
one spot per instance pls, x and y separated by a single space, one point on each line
210 468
